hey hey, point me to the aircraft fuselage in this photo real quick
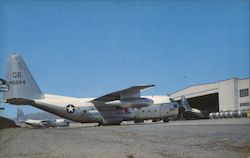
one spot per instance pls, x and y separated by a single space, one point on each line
84 111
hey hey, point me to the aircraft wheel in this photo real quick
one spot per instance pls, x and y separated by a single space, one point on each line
166 120
139 121
154 120
100 124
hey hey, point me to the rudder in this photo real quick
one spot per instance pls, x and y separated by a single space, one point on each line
185 104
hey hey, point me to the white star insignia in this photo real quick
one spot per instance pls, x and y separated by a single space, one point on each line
70 108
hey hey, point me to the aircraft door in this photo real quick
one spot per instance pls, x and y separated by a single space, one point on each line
84 116
164 109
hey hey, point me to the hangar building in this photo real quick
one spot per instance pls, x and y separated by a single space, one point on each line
226 95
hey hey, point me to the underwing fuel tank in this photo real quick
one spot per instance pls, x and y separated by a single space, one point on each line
132 102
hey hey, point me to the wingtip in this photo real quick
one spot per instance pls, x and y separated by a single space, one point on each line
146 85
150 85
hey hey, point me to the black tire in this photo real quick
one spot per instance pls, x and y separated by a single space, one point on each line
139 121
165 120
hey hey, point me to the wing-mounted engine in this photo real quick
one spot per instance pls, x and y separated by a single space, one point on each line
132 102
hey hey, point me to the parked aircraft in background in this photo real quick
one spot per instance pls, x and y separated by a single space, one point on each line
112 108
45 123
192 113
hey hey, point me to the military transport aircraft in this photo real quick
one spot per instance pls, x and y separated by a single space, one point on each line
44 123
110 109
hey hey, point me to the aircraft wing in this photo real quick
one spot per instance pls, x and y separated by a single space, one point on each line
132 92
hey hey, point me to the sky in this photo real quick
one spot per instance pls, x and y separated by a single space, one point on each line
91 48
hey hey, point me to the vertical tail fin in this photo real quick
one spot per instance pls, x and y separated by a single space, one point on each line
20 117
21 82
185 104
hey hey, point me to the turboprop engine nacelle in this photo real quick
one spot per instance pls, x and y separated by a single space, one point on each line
132 102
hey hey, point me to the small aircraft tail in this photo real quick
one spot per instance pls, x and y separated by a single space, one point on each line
22 85
20 117
185 104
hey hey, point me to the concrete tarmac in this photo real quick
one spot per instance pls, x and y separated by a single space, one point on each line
179 139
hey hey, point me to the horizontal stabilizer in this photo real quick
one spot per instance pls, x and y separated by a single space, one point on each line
4 86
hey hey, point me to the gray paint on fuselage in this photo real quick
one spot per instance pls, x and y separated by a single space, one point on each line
159 111
90 114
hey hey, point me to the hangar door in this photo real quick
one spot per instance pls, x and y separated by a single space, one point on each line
207 103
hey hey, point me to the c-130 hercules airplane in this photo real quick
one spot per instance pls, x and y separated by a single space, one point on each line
110 109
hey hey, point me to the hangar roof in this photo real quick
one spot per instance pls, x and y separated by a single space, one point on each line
201 89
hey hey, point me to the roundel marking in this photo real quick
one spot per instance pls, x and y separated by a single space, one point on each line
70 108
